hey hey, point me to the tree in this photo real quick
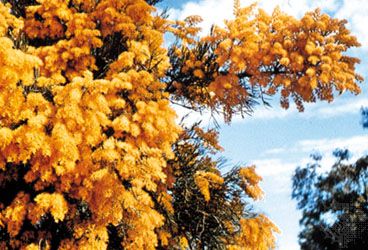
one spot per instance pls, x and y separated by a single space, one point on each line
213 209
334 205
90 153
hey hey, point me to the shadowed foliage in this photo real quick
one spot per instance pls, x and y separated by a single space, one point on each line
334 204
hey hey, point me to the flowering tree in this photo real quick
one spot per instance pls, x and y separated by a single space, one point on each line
91 156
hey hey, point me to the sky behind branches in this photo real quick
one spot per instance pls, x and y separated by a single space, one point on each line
278 140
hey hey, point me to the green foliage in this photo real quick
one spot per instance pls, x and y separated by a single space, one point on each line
204 222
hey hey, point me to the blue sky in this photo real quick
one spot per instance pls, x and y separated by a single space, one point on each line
277 140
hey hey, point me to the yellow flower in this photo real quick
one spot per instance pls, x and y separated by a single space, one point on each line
53 203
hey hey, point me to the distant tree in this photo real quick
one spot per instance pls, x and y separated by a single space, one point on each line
334 204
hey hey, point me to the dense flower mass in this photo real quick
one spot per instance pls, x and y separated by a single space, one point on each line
257 53
91 156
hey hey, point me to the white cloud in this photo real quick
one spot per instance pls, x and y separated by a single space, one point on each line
273 167
280 165
356 12
357 144
282 169
344 107
212 12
